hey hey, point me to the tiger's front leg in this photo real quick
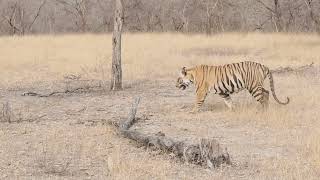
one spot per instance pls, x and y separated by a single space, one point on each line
201 96
227 100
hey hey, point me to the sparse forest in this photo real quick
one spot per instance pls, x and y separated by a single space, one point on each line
187 16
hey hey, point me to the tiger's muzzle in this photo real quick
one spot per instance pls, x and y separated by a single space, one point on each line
181 84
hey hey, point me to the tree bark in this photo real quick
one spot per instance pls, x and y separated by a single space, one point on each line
116 75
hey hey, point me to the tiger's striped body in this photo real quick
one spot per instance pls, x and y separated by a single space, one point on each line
228 79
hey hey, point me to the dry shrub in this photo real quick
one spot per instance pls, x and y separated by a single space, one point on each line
54 160
58 158
7 114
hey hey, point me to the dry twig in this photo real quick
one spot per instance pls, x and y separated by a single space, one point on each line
80 89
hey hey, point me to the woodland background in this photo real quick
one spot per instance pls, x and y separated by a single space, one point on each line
187 16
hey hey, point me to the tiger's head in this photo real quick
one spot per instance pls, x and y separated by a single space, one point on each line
185 79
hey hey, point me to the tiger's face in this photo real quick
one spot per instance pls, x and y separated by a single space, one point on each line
184 80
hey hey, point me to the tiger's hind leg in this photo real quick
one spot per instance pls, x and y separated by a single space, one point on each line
265 102
261 95
227 100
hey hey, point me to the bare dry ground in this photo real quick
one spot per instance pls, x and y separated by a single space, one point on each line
66 136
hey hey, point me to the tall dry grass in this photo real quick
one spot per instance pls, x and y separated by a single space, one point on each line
147 55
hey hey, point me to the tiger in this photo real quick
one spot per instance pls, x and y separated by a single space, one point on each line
227 79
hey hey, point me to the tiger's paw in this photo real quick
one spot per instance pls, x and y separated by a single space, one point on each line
194 111
232 109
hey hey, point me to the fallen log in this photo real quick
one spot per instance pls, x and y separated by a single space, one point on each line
207 152
288 69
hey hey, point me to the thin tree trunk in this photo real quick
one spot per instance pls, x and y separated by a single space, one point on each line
116 75
277 10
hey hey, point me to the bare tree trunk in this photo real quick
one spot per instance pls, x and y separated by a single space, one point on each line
184 16
116 75
276 14
209 14
277 11
208 19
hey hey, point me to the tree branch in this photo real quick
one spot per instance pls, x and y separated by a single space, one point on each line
10 20
37 14
265 6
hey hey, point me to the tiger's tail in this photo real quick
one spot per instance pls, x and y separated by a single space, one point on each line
269 74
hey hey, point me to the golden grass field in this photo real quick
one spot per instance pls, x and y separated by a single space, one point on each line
67 136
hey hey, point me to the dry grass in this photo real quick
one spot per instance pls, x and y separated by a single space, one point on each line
53 56
282 143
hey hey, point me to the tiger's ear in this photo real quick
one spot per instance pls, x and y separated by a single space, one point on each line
184 71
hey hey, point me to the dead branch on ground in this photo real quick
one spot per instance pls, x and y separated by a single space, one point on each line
207 153
32 118
76 90
76 112
291 69
72 77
